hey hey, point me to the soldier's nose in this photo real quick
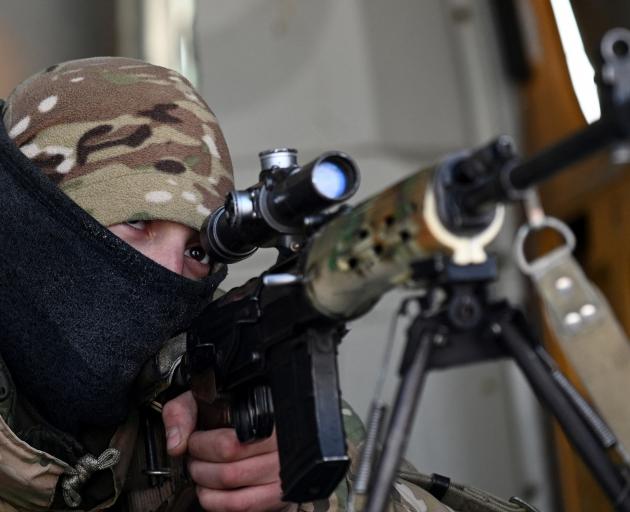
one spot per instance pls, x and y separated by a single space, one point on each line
169 257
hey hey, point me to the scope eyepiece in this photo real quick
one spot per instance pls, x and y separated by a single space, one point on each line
222 241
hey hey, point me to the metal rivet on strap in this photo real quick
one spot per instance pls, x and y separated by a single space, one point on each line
572 319
563 284
588 310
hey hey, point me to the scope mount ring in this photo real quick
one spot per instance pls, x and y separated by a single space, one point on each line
542 262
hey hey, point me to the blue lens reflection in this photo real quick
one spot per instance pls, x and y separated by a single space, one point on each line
330 179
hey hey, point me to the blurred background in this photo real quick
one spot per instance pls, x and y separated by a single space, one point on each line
396 85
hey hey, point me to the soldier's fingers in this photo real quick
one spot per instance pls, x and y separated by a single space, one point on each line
258 470
222 445
259 498
180 418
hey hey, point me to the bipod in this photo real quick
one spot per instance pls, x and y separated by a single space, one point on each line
466 327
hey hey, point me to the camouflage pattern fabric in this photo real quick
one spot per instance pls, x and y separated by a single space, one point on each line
153 150
405 496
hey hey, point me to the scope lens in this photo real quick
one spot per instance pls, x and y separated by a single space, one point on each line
330 179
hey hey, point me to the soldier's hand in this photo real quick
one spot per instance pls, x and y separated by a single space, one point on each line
229 476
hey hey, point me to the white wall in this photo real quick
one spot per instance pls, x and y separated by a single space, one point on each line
395 84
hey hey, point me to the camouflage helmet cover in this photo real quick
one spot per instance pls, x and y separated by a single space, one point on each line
125 139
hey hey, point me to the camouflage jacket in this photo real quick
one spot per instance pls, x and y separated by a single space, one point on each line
410 492
32 479
406 495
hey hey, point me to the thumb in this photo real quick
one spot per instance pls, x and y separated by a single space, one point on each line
180 419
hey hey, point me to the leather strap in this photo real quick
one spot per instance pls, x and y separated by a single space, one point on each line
590 336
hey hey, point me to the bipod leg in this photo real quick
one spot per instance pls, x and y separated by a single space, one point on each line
421 337
511 329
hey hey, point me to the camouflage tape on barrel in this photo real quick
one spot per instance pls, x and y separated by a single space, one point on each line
368 250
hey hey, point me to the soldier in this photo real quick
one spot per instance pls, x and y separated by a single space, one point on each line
134 146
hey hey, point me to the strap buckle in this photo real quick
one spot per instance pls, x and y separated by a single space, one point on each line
537 221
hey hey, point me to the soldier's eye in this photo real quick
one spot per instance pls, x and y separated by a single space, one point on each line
136 224
196 252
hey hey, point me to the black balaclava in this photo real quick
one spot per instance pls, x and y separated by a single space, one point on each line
80 310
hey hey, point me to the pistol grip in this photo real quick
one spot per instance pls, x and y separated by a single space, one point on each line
212 411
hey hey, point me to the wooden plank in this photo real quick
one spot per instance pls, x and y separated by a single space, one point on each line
594 191
551 113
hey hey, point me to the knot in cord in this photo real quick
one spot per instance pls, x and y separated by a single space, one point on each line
86 466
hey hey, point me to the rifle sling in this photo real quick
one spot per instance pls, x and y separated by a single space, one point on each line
590 336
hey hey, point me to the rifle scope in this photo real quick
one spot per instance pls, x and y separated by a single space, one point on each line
279 204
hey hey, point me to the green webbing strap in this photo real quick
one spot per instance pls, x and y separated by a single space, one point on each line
464 498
